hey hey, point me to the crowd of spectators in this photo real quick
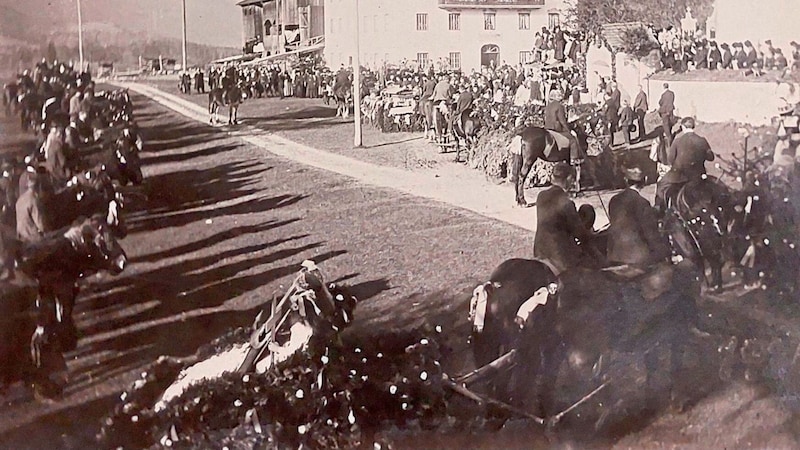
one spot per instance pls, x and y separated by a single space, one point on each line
688 53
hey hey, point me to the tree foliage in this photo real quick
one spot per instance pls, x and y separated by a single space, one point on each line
638 42
591 15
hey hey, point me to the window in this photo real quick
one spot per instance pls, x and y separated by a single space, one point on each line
525 57
489 21
455 21
524 21
422 22
455 60
553 20
422 60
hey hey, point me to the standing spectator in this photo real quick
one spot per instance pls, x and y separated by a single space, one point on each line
612 109
739 56
537 47
200 82
640 107
666 107
625 121
559 43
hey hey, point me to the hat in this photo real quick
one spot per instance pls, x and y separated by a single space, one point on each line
688 122
768 41
633 174
785 108
561 171
748 43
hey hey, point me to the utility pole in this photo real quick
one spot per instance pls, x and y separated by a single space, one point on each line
184 35
80 35
357 84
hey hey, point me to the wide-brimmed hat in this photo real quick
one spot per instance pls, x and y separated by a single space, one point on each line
633 173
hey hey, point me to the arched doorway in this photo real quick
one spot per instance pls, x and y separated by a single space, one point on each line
489 53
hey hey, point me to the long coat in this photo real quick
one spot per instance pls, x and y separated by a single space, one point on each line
557 226
633 236
31 217
687 156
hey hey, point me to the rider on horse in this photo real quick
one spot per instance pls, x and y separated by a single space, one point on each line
633 236
555 119
559 227
463 107
686 157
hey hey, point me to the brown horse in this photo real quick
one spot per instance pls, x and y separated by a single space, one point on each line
536 140
232 97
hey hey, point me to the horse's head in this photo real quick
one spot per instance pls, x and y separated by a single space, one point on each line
94 238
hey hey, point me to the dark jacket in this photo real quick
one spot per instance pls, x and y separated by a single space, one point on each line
640 104
555 117
687 155
666 104
633 236
464 102
557 227
613 104
626 116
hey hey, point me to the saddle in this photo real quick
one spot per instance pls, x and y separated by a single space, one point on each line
555 141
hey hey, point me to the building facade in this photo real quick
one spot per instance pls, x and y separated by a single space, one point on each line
278 24
456 34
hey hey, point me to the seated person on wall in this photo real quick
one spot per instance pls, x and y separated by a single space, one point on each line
559 229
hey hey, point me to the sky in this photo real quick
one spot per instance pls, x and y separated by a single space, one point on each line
213 22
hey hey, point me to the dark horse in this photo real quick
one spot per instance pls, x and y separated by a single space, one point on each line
697 220
343 95
231 97
536 140
36 317
569 332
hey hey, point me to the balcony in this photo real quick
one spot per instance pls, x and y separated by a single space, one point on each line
491 4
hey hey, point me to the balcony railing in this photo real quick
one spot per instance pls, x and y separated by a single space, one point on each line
493 4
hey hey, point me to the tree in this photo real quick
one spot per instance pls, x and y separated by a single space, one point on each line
591 15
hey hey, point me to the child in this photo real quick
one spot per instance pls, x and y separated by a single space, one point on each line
626 120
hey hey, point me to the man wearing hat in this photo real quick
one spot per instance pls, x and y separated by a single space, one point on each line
558 225
555 119
633 236
687 157
666 107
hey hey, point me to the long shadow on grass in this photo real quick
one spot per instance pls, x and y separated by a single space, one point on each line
181 335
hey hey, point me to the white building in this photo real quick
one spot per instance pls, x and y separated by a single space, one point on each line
461 34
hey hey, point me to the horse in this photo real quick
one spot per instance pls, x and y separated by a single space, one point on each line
10 101
534 143
343 96
425 106
568 332
119 156
30 109
466 133
231 97
36 317
697 218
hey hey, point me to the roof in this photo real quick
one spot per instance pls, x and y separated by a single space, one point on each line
278 56
613 32
250 2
